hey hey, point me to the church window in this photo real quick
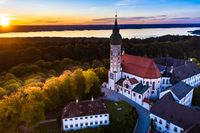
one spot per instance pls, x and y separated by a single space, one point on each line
153 85
139 97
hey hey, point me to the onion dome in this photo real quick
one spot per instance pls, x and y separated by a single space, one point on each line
116 38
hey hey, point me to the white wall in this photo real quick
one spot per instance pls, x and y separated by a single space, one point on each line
155 89
146 105
127 92
164 83
163 93
187 100
85 121
161 127
113 80
193 81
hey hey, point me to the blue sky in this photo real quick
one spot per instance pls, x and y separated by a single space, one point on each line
100 11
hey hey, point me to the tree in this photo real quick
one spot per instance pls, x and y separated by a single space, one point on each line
51 89
102 73
66 88
91 83
78 83
2 92
32 110
96 63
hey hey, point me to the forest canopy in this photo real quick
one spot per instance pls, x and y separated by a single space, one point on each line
14 51
38 75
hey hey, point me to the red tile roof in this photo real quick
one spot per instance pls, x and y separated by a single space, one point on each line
149 101
84 108
133 81
140 66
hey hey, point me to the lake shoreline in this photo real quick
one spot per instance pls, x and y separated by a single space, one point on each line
127 33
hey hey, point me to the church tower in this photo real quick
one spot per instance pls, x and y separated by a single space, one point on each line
115 56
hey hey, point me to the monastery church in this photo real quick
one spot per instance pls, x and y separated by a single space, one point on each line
142 79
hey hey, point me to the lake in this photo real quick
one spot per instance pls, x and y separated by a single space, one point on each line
126 33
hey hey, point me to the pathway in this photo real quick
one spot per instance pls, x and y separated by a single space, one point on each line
143 120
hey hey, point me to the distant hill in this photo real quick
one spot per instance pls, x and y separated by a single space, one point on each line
34 28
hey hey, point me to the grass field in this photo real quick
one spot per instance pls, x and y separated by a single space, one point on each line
122 120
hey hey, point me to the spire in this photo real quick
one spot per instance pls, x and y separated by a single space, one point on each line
116 28
116 18
116 38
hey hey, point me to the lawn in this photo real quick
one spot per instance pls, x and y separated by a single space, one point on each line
122 120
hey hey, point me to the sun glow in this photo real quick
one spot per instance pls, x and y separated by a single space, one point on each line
4 21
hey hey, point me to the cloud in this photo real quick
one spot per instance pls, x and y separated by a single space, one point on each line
129 19
148 19
125 2
49 20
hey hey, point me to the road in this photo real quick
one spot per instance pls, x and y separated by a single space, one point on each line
143 120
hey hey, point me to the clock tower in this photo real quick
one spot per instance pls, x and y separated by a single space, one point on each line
115 56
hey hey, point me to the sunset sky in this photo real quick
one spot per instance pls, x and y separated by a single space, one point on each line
69 12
